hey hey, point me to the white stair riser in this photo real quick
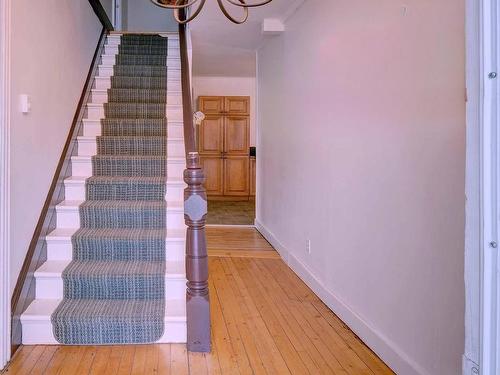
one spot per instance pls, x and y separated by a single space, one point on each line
83 168
173 86
63 250
113 43
96 112
175 333
174 62
86 147
76 191
173 43
109 58
103 80
70 218
173 59
52 287
101 97
113 39
105 70
39 332
92 128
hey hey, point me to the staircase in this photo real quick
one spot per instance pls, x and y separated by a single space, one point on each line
115 269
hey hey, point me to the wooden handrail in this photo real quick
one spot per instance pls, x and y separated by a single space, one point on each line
195 212
187 102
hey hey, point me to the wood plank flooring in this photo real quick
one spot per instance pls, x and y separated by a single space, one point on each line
265 320
238 242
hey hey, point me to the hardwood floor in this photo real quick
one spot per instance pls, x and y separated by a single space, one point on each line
238 242
265 320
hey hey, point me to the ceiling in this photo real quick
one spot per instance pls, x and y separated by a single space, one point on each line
221 48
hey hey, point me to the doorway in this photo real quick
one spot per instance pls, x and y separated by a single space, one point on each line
228 159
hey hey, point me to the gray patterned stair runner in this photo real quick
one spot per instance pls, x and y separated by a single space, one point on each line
114 288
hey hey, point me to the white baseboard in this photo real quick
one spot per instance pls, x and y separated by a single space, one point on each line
393 356
469 367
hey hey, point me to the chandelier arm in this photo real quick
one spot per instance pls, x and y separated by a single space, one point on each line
231 18
191 17
243 4
174 6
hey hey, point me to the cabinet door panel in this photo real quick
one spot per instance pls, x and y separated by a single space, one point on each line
214 174
237 105
236 135
211 135
211 104
236 181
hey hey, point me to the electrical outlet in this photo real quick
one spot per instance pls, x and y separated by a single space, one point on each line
308 246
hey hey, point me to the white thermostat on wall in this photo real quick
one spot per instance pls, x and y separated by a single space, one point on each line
24 103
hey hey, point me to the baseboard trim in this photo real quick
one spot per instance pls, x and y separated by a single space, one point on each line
387 350
469 367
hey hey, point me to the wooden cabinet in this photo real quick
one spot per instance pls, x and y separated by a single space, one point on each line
211 104
236 176
253 176
223 142
211 135
214 174
237 105
236 131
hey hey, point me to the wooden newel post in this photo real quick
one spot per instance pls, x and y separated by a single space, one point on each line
197 299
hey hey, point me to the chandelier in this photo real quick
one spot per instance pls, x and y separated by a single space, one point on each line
181 6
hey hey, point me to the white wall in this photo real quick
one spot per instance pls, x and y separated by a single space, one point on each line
362 150
143 15
229 86
108 7
53 43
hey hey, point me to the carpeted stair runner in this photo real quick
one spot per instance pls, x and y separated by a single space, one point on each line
114 288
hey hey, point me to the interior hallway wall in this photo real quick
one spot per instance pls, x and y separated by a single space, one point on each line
53 43
229 86
108 7
144 16
362 151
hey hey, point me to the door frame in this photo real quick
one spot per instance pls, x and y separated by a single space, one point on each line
482 258
117 16
5 53
489 187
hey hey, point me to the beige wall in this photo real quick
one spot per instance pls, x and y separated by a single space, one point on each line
229 86
362 150
52 47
